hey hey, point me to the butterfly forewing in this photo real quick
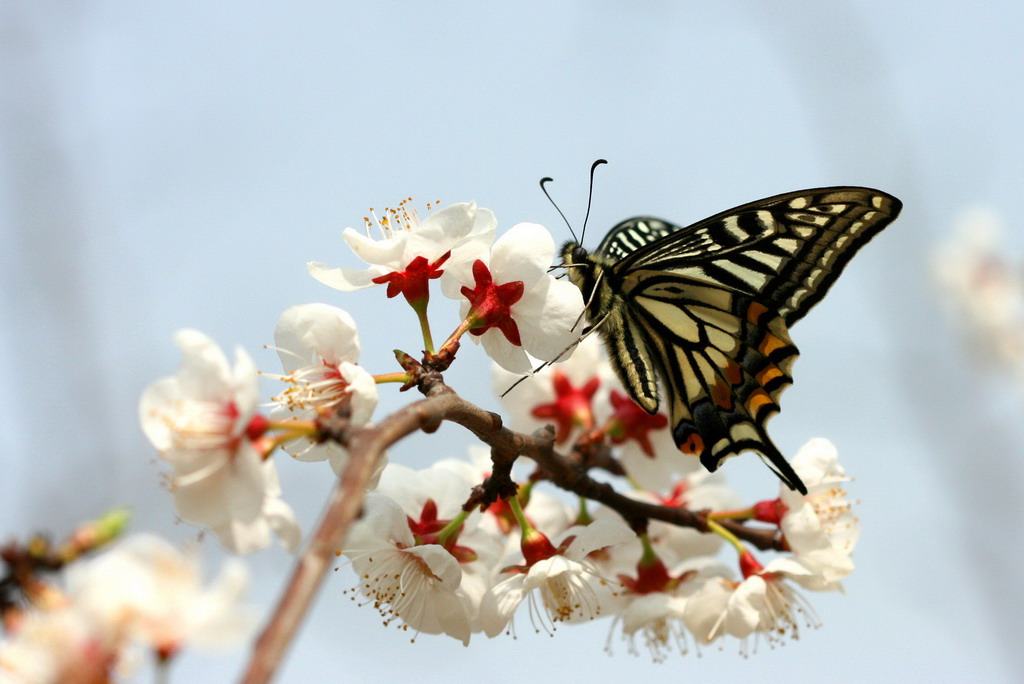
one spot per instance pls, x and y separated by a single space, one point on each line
708 308
788 250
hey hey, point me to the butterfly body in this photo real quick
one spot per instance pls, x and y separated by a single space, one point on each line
707 309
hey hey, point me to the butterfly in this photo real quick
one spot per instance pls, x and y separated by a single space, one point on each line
707 308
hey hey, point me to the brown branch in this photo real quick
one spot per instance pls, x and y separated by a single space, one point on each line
343 507
365 448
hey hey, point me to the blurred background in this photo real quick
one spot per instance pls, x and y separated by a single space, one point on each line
176 166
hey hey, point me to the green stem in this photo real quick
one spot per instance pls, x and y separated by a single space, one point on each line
738 514
524 525
452 528
583 516
428 341
727 536
454 337
391 377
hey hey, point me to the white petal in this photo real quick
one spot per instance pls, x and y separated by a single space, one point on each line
216 618
815 461
442 565
246 386
204 373
316 333
412 488
364 393
225 488
651 608
500 604
478 243
283 522
159 397
598 535
547 331
705 609
382 524
746 605
439 232
242 537
345 279
523 253
507 355
386 253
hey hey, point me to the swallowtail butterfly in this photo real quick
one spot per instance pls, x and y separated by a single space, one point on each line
707 308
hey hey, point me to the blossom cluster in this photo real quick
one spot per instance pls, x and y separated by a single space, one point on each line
141 595
985 287
429 565
428 555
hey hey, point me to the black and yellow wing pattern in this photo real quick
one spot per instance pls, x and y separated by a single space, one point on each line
708 307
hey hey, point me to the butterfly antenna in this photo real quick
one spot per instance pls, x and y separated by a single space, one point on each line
590 196
545 191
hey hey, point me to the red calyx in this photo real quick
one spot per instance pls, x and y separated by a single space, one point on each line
770 511
749 565
571 407
427 530
413 281
490 304
629 421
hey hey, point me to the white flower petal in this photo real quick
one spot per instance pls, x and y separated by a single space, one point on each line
439 232
204 374
598 535
547 329
345 279
511 357
383 519
500 604
387 252
523 253
315 333
363 390
412 488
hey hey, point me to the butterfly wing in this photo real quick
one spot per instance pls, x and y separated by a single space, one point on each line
709 307
787 250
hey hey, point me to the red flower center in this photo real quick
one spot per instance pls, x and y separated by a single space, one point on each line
490 305
571 407
629 421
413 281
427 530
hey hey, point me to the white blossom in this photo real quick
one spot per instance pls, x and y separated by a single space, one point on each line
59 645
570 587
319 349
462 229
150 591
202 422
820 527
412 577
542 317
762 605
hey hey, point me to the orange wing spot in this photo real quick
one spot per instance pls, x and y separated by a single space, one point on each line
694 445
755 311
769 374
721 395
769 343
733 373
756 400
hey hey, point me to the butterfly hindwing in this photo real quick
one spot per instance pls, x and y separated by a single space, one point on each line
707 307
724 359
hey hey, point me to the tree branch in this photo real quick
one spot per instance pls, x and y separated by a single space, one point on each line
366 445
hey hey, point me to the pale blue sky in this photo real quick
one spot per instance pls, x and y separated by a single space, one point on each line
164 166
